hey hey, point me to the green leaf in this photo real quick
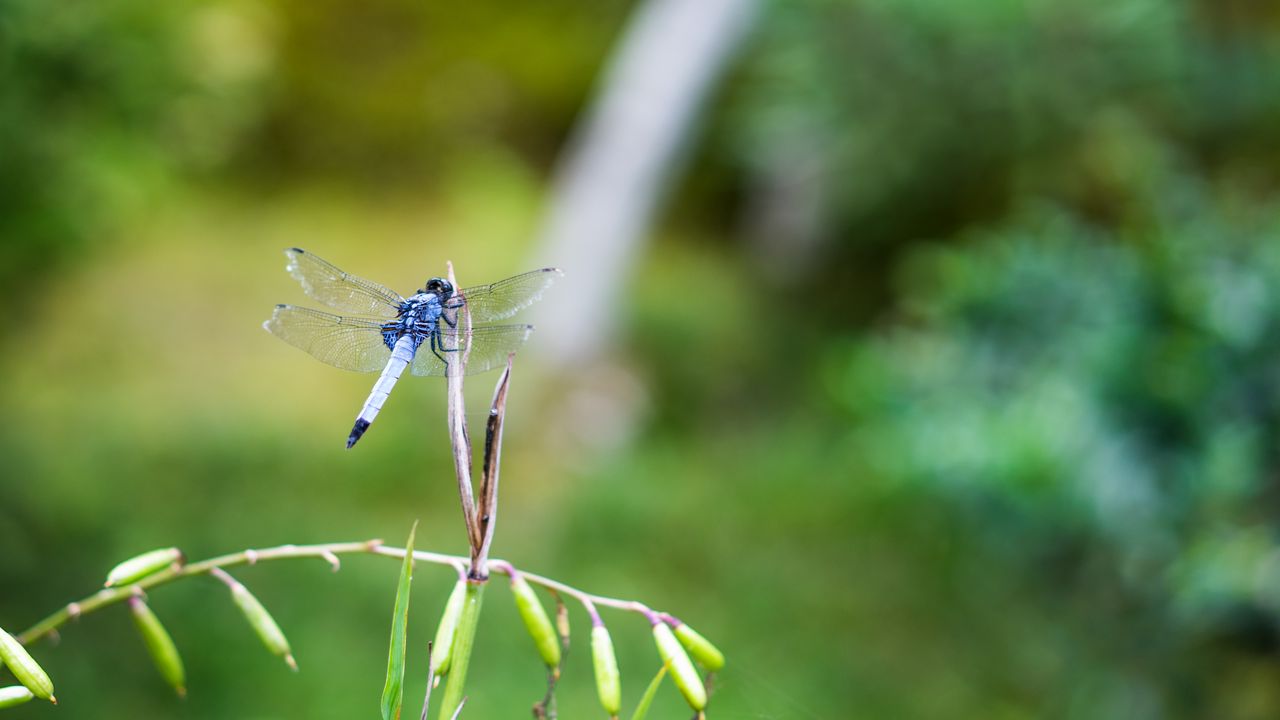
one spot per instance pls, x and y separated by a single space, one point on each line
647 699
393 692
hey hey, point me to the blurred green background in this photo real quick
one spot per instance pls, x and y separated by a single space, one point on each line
949 378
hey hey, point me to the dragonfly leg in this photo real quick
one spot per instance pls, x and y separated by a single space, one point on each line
437 347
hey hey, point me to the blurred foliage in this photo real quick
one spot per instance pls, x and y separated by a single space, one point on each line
397 90
102 101
971 413
919 119
71 116
1100 411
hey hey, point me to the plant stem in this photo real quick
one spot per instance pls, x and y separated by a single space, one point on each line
462 642
325 551
110 596
456 416
585 598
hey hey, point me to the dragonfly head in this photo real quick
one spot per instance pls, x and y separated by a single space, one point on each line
439 287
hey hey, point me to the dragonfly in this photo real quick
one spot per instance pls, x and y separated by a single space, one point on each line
380 330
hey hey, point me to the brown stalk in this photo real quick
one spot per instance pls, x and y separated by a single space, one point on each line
480 518
458 436
487 516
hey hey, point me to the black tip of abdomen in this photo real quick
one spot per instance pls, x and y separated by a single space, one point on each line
357 431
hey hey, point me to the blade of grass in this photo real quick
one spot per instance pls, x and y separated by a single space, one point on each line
647 699
393 692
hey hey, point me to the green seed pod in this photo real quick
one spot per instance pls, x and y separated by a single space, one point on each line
163 652
136 568
263 624
608 681
14 695
442 648
536 620
699 647
25 668
682 671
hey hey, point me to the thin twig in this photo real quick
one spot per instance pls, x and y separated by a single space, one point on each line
508 569
545 709
224 576
110 596
431 676
458 437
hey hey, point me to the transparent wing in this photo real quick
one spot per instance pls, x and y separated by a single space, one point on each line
501 300
340 290
350 343
485 348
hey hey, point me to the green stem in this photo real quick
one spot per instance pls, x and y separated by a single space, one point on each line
327 551
110 596
462 642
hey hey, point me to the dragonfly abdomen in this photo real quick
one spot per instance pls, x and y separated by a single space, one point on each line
401 355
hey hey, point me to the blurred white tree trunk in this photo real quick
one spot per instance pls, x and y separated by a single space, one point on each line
625 153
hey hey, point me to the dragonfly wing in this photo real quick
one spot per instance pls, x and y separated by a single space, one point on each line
501 300
340 290
485 348
350 343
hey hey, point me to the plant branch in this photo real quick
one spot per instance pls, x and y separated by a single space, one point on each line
110 596
587 599
324 551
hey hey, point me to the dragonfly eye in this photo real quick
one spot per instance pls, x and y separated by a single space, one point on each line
439 286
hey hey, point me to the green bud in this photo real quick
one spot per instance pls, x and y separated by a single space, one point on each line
442 648
608 681
263 624
163 652
682 671
25 668
14 695
143 565
536 620
699 647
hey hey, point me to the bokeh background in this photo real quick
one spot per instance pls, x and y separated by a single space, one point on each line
945 381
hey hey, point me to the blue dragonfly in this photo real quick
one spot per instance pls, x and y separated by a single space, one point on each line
425 332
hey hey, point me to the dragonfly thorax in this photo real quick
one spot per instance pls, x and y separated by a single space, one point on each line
417 318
